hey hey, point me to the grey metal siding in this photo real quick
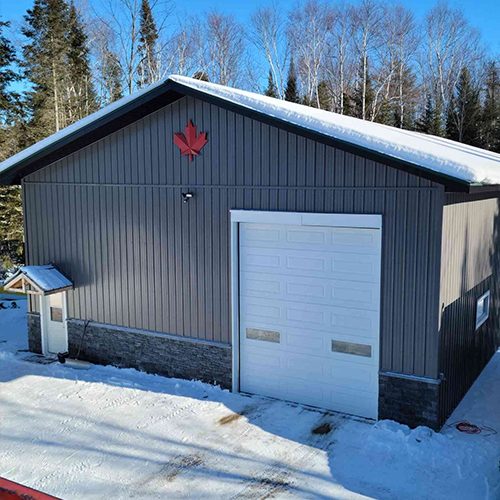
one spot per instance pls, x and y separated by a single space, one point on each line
470 252
111 216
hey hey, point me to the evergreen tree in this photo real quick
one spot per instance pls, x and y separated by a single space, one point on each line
56 63
271 90
148 36
81 99
324 96
7 75
291 92
45 64
201 75
490 120
463 121
430 120
384 113
11 219
112 76
403 108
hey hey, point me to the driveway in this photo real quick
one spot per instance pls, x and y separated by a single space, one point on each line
109 432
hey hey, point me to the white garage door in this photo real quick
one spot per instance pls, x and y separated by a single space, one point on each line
309 314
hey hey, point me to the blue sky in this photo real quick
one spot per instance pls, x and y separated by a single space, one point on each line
483 14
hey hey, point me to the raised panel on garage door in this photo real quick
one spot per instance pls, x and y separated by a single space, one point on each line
309 314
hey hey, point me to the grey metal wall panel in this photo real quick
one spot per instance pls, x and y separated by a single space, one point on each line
111 215
469 267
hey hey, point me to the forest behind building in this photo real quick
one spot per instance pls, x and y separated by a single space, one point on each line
368 59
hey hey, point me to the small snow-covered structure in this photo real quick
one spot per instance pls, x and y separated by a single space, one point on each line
38 280
301 254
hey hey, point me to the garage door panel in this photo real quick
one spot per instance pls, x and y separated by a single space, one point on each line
316 238
312 290
296 365
312 317
317 394
351 267
314 348
309 315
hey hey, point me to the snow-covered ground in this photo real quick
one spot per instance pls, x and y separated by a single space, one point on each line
108 432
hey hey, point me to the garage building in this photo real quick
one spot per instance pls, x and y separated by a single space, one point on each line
198 231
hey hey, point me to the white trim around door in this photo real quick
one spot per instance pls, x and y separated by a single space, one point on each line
368 221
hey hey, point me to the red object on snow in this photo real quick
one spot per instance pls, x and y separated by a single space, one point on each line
14 491
188 142
468 428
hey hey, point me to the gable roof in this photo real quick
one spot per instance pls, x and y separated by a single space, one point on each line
457 166
39 280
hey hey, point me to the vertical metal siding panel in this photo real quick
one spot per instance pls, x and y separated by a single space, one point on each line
199 241
470 267
349 161
388 294
400 284
184 277
156 287
422 279
162 250
413 228
149 281
167 264
144 297
224 266
434 267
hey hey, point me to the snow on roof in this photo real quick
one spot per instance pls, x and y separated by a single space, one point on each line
47 278
460 161
454 159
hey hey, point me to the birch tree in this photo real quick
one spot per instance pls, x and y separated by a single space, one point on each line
367 18
225 44
308 30
339 61
269 37
450 44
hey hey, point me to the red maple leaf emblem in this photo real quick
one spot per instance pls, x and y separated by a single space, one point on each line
188 142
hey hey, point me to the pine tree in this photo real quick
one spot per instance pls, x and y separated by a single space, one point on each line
271 90
430 120
291 92
56 63
7 75
384 113
112 76
11 219
324 96
148 36
463 122
490 119
45 64
403 108
81 98
201 75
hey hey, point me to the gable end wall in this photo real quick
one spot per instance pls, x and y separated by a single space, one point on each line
111 217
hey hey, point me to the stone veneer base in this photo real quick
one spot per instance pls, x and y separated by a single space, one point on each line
146 351
410 400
